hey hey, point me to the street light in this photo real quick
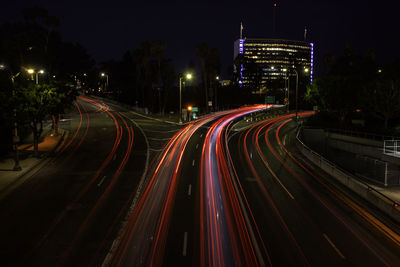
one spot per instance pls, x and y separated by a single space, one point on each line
32 71
306 70
105 75
216 93
188 76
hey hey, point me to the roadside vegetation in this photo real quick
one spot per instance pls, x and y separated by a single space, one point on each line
357 93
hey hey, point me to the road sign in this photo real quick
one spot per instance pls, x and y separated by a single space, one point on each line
269 99
195 109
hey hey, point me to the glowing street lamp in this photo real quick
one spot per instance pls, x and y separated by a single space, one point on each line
306 70
32 71
105 75
188 76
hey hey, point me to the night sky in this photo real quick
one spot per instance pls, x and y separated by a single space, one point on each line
109 28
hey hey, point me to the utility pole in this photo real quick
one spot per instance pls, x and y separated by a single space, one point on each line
274 19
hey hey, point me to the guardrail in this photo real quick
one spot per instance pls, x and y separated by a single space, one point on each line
392 147
379 200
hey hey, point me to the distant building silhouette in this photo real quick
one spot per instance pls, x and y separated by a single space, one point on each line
267 66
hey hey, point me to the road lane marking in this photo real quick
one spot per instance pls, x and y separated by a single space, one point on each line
101 181
197 146
193 162
334 247
190 190
201 135
276 177
184 250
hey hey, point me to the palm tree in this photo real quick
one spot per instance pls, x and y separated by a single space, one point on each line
157 51
142 59
202 51
213 66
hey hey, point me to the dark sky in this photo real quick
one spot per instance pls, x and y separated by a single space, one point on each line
109 28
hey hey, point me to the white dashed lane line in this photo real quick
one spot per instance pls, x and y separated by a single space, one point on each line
190 190
101 181
334 247
184 249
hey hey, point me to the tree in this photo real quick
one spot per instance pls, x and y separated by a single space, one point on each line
213 66
384 100
36 101
142 60
157 51
35 43
342 88
63 97
202 51
381 96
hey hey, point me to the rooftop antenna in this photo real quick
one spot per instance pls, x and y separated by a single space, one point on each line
241 30
274 18
305 33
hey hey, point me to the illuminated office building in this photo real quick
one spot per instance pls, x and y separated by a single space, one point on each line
273 63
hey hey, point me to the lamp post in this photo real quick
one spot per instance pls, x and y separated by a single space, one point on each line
216 93
32 71
188 77
297 87
105 75
37 75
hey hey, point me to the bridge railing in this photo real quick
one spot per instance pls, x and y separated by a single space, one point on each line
391 148
376 198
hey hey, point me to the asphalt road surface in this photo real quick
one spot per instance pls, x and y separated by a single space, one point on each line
249 201
69 211
304 217
128 190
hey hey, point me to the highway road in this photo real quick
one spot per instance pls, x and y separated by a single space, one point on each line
68 211
304 217
249 201
128 190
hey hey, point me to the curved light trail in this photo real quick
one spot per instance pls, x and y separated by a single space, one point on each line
269 132
144 238
225 233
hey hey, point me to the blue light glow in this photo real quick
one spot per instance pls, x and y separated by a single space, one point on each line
312 62
241 51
